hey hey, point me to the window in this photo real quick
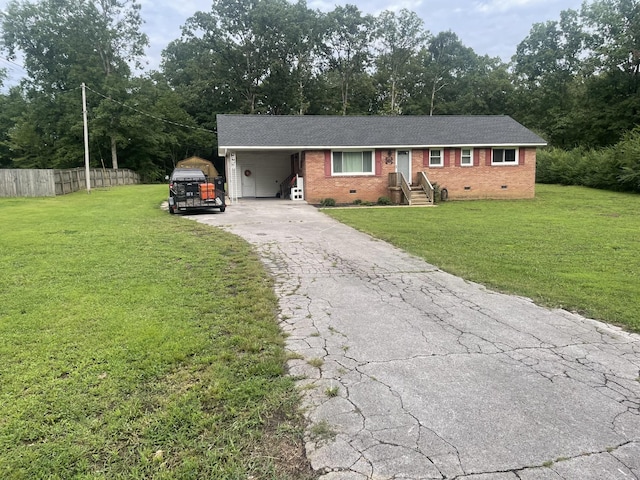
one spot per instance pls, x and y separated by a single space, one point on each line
435 157
353 163
504 156
466 157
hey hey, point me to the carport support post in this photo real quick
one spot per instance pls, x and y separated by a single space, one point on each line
86 138
234 180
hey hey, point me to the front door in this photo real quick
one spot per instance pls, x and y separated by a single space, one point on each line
248 181
403 164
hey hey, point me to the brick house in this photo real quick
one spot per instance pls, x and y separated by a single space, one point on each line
367 157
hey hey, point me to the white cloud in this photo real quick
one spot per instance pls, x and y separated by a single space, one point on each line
494 6
411 5
182 8
322 5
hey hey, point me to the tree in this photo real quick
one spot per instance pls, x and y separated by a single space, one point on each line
399 39
485 88
612 40
241 45
68 42
578 79
347 48
160 131
299 51
12 105
547 68
445 61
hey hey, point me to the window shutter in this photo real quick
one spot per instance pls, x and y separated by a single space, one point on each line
378 163
458 156
521 156
476 157
446 152
487 159
327 163
425 158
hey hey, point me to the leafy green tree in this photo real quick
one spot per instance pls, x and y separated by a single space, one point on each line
612 68
234 54
12 105
347 46
484 88
160 131
445 60
299 51
578 79
546 66
67 42
399 39
197 72
29 141
444 77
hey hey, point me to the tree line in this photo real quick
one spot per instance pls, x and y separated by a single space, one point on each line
573 80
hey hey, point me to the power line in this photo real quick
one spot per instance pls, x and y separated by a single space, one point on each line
11 67
13 64
164 120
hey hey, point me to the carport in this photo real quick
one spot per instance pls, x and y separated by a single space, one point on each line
259 173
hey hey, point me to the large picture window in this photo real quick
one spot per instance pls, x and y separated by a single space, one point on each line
504 156
353 163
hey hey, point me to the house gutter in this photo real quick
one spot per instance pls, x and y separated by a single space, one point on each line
294 148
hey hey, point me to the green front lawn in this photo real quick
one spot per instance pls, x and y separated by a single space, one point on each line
571 247
135 344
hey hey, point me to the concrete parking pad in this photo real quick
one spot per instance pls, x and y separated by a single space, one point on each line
408 372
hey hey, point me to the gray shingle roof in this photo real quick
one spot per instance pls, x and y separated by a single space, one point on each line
266 131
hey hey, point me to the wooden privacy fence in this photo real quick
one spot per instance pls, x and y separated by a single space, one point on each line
72 180
20 182
27 183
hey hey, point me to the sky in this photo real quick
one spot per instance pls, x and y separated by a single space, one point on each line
490 27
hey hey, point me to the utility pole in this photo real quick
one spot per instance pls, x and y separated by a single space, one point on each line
86 138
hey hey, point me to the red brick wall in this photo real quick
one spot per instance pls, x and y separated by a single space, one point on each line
317 185
484 180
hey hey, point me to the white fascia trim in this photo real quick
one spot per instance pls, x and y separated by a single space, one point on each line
374 147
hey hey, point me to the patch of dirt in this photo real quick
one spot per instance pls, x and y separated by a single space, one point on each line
283 443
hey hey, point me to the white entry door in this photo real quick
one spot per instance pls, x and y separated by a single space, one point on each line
248 174
403 164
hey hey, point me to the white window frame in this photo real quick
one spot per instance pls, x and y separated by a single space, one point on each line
440 156
503 162
354 174
470 164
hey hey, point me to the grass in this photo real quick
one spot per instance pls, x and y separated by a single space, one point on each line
315 362
135 344
570 247
322 431
332 391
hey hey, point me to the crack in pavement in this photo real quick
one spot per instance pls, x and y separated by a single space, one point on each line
422 375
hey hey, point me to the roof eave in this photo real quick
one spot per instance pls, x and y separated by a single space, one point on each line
222 150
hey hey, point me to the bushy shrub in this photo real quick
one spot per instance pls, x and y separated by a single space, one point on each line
328 202
628 150
436 192
384 201
357 201
611 168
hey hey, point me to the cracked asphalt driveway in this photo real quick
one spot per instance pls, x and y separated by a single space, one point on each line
408 372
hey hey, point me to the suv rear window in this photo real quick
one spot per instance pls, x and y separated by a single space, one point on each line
187 174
